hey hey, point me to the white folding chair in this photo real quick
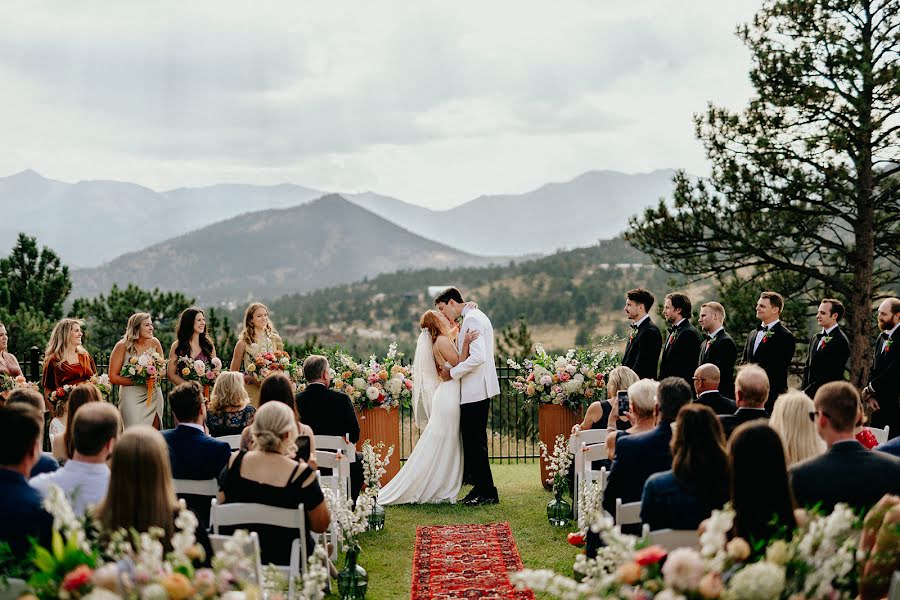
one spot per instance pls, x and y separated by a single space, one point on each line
338 485
587 436
881 435
671 538
627 513
218 541
197 487
248 514
584 456
233 440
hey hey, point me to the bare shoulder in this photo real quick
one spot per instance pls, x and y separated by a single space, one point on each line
443 342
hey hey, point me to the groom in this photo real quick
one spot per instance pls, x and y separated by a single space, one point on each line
478 384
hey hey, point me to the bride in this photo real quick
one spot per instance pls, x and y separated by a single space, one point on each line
433 473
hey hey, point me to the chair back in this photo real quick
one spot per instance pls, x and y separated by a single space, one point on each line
584 456
197 487
251 550
337 442
627 513
233 440
251 513
586 436
671 538
881 435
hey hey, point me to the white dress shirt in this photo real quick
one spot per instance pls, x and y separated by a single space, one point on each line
84 483
762 332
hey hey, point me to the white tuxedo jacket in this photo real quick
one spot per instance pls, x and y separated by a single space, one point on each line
478 373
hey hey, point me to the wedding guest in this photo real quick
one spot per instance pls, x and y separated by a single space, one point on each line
230 411
791 420
147 501
751 389
682 344
891 447
597 414
9 366
718 347
698 481
847 472
60 417
85 477
32 399
641 413
771 346
191 340
66 362
135 403
829 349
63 445
192 453
277 387
883 390
21 430
760 489
862 433
706 385
644 341
258 336
267 475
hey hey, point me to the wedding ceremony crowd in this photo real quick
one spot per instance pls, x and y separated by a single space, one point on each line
693 421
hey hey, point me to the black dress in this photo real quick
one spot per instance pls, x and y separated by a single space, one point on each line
275 542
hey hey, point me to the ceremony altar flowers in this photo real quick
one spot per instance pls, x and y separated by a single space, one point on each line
377 383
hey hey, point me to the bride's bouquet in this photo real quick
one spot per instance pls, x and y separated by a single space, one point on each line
146 369
265 363
378 383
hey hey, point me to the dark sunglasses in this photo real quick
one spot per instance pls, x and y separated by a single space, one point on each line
813 414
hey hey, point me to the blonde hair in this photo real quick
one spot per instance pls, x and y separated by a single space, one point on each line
249 332
620 378
228 391
145 501
790 418
642 395
133 331
273 420
716 308
59 339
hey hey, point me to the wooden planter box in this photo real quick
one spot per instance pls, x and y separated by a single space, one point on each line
379 425
553 420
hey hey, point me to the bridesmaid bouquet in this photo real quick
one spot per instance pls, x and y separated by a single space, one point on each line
265 363
200 370
146 369
60 394
103 384
376 384
8 383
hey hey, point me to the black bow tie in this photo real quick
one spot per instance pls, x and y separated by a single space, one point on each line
709 337
820 335
634 326
884 335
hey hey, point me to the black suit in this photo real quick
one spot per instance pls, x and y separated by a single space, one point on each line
717 402
679 353
742 415
722 352
642 350
884 380
329 412
846 473
825 363
774 354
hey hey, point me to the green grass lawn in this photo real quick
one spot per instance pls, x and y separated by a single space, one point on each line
387 555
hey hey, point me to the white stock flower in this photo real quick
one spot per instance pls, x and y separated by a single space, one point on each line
394 386
144 360
359 383
372 392
757 581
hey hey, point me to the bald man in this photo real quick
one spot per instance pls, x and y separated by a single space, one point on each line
751 390
706 384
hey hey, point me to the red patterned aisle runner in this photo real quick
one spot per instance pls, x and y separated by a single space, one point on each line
465 561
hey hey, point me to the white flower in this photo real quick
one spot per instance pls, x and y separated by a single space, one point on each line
359 383
216 363
571 369
757 581
372 392
669 595
683 569
144 359
200 367
394 386
99 593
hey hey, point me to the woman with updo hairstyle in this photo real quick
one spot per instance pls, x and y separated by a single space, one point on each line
192 340
137 406
229 410
597 414
257 337
268 475
66 362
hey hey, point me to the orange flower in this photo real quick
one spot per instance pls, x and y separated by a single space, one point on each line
629 573
76 578
177 586
383 375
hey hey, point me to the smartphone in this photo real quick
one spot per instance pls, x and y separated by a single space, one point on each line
622 398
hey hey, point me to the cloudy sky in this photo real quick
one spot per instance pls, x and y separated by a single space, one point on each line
432 102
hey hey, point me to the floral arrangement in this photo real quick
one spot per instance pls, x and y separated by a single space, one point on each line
374 465
103 384
351 520
571 379
266 362
199 370
9 383
558 464
378 383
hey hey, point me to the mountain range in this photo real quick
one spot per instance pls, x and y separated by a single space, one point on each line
92 222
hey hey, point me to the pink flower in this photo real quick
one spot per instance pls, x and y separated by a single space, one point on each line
546 380
564 376
409 384
649 555
151 370
76 578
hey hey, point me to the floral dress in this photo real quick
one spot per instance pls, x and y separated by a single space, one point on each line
265 344
229 423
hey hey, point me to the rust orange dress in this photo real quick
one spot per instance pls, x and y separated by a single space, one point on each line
59 373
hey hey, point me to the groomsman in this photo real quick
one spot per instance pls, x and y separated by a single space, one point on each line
682 342
829 350
718 347
644 341
883 391
771 345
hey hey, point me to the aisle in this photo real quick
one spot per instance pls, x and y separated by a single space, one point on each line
466 561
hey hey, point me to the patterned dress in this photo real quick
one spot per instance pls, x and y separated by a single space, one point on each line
229 423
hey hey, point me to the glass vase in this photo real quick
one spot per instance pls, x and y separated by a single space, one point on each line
376 518
353 581
559 512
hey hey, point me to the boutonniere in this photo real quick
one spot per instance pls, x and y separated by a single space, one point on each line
825 340
633 333
769 333
709 344
672 335
887 345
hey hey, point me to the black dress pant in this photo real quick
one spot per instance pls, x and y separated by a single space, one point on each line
473 426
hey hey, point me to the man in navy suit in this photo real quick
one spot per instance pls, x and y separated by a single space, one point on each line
718 347
829 349
192 453
771 345
645 341
682 344
751 389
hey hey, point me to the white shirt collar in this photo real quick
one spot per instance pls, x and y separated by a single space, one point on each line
316 383
770 325
708 392
678 323
830 329
716 332
194 425
890 332
641 320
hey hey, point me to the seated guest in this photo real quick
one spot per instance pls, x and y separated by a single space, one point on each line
641 413
751 390
277 387
230 410
891 447
268 475
25 397
597 414
760 491
85 477
62 444
698 482
329 412
862 433
790 419
706 384
21 429
847 472
141 494
192 453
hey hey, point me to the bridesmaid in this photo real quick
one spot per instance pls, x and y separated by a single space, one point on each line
258 336
66 362
8 363
191 340
135 406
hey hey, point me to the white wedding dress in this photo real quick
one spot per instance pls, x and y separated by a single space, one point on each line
434 471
